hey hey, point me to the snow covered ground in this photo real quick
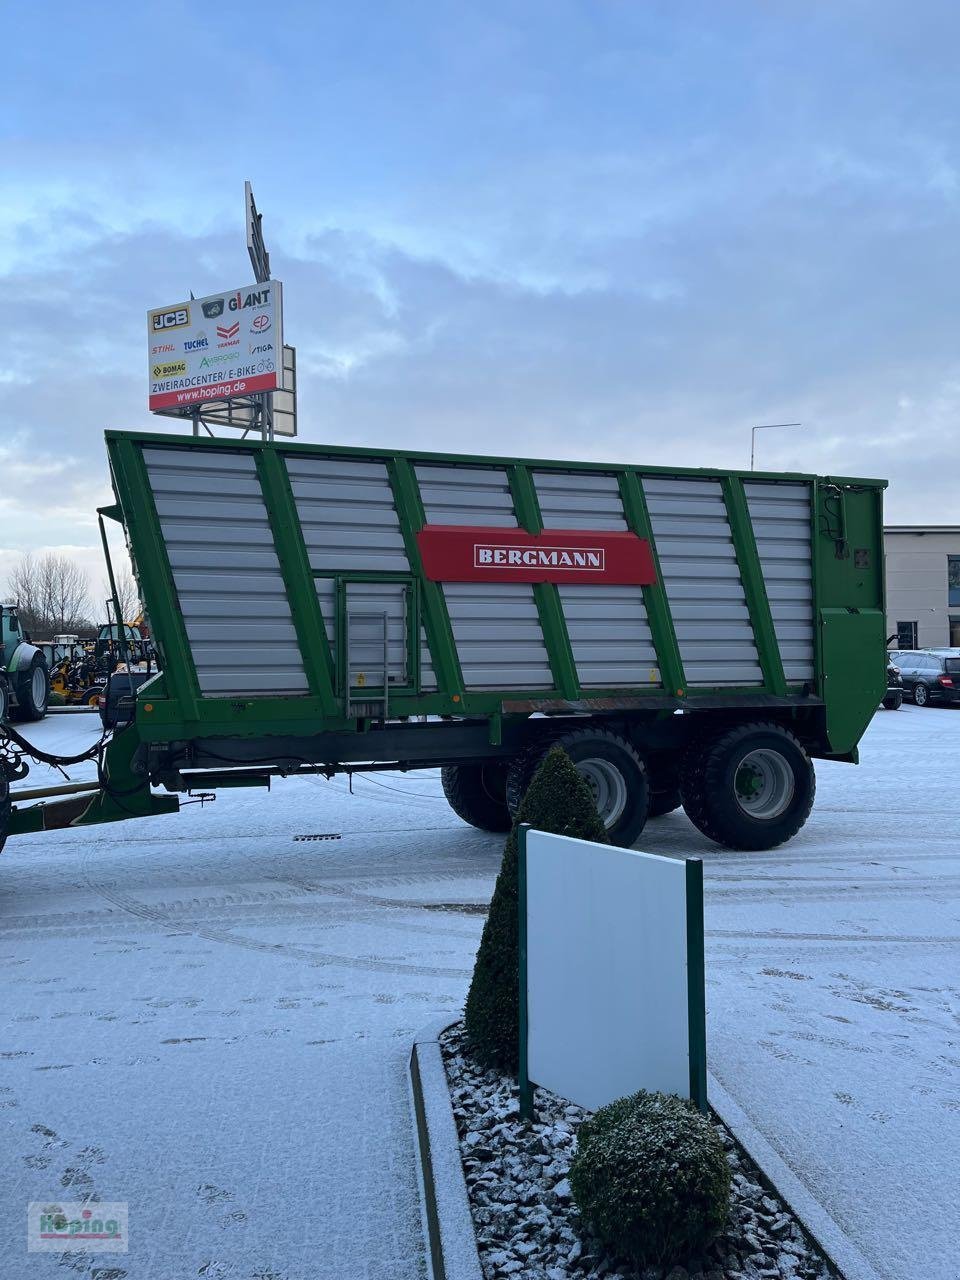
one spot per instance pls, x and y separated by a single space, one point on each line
210 1020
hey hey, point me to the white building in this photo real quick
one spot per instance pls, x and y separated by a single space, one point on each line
923 585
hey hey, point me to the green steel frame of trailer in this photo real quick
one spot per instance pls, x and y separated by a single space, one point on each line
766 600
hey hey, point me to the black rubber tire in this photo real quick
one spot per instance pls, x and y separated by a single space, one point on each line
477 794
590 744
663 802
4 699
921 695
27 706
893 701
708 787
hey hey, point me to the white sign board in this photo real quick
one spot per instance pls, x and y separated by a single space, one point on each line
611 971
216 348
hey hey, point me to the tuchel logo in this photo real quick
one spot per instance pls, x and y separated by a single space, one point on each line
589 559
77 1227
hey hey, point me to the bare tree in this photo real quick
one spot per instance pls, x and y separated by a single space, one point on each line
52 592
128 594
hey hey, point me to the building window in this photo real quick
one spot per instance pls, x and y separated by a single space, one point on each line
953 579
955 633
906 635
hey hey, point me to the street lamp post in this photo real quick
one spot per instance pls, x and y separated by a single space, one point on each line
766 426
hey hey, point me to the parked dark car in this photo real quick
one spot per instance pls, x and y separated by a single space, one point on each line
117 699
893 698
929 675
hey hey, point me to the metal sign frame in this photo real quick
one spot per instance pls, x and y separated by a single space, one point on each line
259 258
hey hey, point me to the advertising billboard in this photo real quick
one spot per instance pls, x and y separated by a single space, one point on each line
216 348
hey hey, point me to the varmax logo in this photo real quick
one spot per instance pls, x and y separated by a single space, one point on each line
586 558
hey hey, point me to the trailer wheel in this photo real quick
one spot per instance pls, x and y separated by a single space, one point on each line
33 691
477 794
614 772
750 788
4 699
662 802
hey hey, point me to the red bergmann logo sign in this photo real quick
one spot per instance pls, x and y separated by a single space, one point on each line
457 553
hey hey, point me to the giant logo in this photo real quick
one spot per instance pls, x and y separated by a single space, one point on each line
259 298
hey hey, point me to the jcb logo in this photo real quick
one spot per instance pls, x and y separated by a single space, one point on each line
162 320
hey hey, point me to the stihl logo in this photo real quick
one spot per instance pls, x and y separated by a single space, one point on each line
588 559
228 330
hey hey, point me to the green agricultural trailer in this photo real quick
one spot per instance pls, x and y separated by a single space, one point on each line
691 637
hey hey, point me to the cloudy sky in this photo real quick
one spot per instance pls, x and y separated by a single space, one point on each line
592 229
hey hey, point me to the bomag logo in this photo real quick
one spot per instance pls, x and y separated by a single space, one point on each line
240 300
160 321
171 369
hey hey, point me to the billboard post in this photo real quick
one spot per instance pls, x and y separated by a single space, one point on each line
221 359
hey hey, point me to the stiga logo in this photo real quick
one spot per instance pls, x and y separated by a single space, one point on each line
160 321
260 348
172 369
589 559
213 309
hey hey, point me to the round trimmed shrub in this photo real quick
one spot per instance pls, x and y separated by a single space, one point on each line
651 1179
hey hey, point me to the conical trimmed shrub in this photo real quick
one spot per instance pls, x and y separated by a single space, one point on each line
559 801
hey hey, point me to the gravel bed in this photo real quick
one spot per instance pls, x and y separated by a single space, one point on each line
527 1224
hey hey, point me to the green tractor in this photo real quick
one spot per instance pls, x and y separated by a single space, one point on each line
24 677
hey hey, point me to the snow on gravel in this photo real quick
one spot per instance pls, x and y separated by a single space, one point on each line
526 1222
212 1020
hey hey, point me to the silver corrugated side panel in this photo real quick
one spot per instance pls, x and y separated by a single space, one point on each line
347 515
609 636
496 627
428 679
466 495
702 580
781 518
608 627
327 595
586 500
226 572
